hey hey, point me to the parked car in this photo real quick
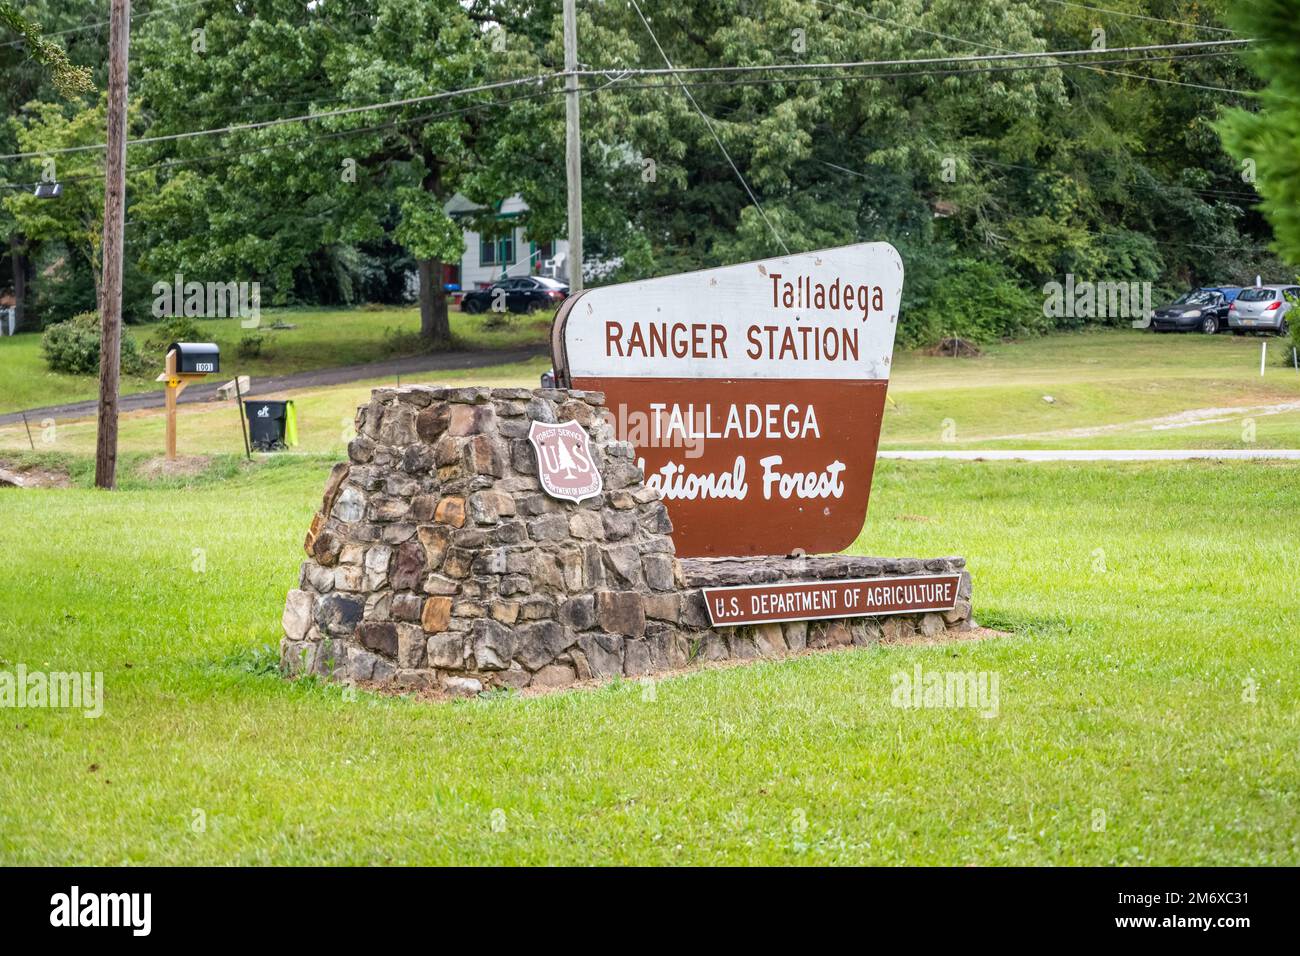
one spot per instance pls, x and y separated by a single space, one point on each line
1204 310
1262 308
520 294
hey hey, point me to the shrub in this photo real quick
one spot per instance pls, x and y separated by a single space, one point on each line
499 320
177 328
73 346
249 347
973 299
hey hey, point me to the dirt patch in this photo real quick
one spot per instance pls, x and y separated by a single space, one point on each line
183 466
14 475
950 637
1184 419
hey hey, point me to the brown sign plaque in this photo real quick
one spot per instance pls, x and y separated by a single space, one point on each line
753 394
814 600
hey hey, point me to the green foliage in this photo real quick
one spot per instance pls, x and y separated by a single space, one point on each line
1264 138
69 79
425 230
176 328
976 300
1111 174
250 346
73 346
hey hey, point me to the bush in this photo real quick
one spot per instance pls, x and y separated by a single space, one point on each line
499 320
178 328
973 299
249 347
73 346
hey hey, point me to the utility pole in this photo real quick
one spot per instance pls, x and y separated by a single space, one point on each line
573 144
110 295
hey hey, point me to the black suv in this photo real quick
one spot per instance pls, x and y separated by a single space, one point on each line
522 294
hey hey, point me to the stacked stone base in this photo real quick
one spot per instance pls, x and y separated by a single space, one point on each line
438 563
626 634
776 640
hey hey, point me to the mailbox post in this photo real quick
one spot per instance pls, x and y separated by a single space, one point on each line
185 362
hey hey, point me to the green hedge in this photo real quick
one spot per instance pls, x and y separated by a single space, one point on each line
73 346
973 299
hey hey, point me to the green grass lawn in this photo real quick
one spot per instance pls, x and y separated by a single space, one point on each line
325 417
1145 599
1114 388
322 338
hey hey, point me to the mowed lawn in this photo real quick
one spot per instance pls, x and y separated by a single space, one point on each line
1112 388
1148 706
1116 388
320 338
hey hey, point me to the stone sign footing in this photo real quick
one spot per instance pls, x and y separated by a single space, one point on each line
437 562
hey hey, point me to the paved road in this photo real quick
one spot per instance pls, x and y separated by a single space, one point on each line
412 367
1188 454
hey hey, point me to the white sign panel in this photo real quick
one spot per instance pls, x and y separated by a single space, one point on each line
817 315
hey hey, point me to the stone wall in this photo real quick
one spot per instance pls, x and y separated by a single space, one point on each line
436 562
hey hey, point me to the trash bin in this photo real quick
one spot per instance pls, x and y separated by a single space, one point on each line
271 425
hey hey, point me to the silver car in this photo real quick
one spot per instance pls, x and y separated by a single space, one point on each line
1262 308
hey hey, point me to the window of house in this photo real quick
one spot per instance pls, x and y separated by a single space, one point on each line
496 251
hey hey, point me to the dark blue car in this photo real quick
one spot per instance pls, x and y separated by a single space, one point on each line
1204 310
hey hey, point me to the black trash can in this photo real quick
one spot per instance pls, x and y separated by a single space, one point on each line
270 424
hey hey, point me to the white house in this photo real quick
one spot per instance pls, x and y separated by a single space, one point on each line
507 252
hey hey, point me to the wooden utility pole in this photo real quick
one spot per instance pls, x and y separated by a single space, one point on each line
573 145
110 293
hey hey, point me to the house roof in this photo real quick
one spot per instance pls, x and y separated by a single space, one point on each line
459 205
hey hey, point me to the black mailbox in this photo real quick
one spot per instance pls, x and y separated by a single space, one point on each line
196 358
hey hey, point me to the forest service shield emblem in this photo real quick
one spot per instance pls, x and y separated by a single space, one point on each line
565 464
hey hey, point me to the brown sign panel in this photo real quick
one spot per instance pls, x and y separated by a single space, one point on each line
814 600
753 394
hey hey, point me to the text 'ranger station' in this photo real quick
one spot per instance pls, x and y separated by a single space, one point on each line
782 343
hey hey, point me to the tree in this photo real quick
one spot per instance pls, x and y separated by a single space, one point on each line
1265 140
35 69
992 178
69 79
265 201
76 218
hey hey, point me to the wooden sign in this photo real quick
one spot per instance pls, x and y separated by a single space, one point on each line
814 600
753 393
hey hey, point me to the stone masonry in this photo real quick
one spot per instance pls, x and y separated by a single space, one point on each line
436 562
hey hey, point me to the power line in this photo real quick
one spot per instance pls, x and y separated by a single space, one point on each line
1244 194
917 61
1096 69
304 141
103 23
620 84
265 124
1138 16
709 123
670 70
